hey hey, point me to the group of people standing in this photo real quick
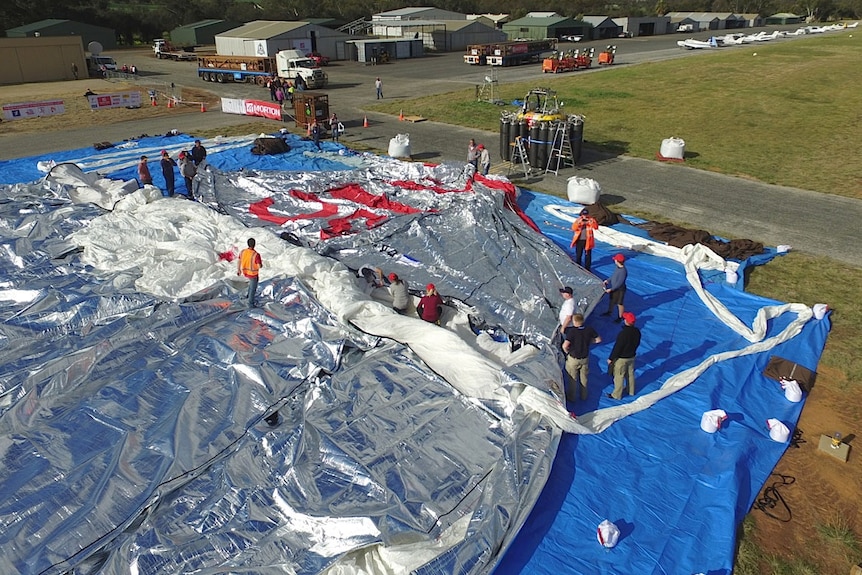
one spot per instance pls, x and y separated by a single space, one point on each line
189 164
478 157
282 90
577 336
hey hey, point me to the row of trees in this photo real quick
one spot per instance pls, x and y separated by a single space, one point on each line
139 21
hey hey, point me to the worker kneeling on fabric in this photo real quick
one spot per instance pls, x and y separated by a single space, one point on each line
430 307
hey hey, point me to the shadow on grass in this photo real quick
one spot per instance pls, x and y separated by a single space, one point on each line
425 155
332 86
611 147
612 199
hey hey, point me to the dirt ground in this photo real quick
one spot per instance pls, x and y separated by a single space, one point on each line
825 496
822 494
78 113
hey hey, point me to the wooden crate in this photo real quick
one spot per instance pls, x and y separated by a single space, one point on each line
308 106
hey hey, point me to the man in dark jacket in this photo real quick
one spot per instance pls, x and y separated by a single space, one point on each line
168 165
622 359
198 153
615 287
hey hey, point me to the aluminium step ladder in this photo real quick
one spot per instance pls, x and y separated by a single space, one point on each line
561 154
520 160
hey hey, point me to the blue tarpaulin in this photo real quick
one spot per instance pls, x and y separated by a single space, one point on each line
677 493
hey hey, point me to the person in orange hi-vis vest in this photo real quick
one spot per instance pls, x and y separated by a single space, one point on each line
582 238
249 265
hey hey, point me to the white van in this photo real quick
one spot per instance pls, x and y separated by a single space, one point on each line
96 62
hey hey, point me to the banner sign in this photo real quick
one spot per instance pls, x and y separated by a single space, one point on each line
33 109
118 100
261 108
232 106
251 108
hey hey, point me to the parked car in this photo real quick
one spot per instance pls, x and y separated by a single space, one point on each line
624 35
319 58
572 38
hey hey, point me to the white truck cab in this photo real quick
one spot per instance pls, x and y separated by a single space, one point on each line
293 63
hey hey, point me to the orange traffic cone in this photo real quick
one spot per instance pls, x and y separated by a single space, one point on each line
365 122
170 102
153 102
401 115
203 106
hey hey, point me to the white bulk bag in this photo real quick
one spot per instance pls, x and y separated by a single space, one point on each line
777 430
672 148
711 420
820 310
792 391
583 190
608 534
399 146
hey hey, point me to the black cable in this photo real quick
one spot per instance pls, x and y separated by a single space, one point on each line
771 497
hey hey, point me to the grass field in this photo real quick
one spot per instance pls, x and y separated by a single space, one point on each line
789 116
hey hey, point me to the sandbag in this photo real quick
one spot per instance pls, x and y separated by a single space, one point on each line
399 146
711 420
778 431
792 391
672 148
583 190
269 146
820 310
608 534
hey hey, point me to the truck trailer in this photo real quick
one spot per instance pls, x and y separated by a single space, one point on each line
164 49
512 53
258 69
252 69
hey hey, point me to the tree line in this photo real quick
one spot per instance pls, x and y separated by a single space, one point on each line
139 21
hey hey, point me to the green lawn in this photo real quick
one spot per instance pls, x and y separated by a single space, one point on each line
792 115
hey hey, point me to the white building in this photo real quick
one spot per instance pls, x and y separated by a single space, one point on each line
267 37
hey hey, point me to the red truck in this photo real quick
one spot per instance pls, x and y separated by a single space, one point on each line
567 62
512 53
319 58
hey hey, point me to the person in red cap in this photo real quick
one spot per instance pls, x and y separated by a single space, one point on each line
399 293
621 363
615 287
430 307
582 238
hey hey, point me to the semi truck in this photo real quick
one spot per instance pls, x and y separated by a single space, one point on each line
164 49
257 69
512 53
292 64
